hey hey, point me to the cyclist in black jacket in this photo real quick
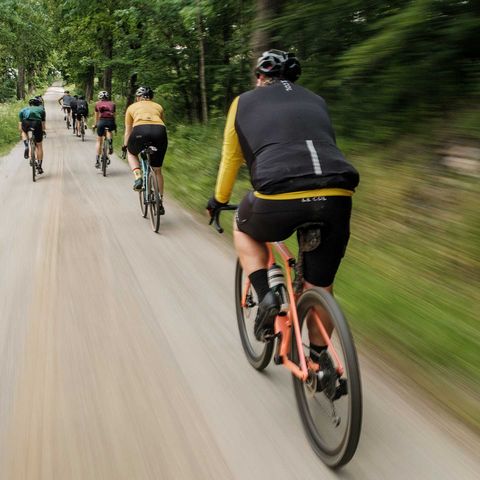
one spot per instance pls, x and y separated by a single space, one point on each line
284 134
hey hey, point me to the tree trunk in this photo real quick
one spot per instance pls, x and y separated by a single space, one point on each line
107 73
263 37
201 48
30 76
132 88
21 83
89 83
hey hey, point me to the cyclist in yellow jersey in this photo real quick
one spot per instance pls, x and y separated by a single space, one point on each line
144 126
283 133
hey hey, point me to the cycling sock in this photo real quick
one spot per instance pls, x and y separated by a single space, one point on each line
137 172
259 281
317 349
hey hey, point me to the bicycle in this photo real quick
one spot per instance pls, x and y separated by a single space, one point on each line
82 127
32 145
66 115
149 196
327 385
104 158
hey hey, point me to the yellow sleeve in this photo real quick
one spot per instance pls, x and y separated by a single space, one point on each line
232 157
128 118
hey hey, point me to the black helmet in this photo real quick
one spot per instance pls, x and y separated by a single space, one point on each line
35 102
103 95
67 92
81 97
277 63
145 92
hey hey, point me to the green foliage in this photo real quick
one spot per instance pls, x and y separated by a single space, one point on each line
9 133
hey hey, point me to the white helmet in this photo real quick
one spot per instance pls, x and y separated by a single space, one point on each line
103 95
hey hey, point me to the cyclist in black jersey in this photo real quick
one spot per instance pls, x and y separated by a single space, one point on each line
283 133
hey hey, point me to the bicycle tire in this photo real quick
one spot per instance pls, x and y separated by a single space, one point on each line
154 201
258 353
82 130
32 158
337 455
104 158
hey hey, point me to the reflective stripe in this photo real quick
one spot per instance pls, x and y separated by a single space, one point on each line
313 153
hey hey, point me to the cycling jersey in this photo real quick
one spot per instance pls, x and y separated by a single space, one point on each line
67 100
284 134
144 112
105 108
32 113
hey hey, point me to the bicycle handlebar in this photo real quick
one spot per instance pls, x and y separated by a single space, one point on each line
216 217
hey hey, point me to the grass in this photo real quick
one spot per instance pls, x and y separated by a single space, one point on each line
9 134
409 283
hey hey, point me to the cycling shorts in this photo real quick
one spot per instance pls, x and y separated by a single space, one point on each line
66 108
37 129
143 136
276 220
105 122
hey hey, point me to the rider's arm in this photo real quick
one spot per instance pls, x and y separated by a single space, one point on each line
60 101
128 126
232 157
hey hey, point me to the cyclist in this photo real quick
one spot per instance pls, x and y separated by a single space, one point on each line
73 106
104 117
145 125
33 116
284 134
65 101
81 110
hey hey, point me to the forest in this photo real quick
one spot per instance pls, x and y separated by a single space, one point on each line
402 81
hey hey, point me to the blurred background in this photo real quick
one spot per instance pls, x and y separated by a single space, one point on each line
402 81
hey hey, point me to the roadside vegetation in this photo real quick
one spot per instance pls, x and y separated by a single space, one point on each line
402 81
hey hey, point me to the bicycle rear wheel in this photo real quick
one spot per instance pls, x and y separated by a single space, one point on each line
154 201
82 130
330 407
258 353
104 158
33 160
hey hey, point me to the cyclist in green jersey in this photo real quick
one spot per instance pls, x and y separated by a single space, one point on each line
33 117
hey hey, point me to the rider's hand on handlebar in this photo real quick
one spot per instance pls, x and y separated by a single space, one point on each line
213 205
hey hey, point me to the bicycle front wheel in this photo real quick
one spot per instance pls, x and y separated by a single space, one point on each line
330 400
258 353
154 201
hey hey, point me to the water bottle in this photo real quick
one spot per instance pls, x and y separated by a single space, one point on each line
276 282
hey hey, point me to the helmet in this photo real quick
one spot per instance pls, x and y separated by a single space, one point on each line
81 97
103 95
67 92
277 63
35 102
145 92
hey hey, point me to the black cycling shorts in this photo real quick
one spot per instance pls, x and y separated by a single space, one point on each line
275 220
66 108
37 129
78 115
105 122
143 136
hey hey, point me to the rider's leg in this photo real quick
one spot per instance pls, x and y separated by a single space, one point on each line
159 175
137 171
314 333
39 152
110 142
